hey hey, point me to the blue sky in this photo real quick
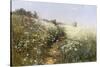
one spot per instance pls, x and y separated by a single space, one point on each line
66 13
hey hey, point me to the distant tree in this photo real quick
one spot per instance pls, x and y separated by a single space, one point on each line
29 14
20 11
75 24
54 21
35 15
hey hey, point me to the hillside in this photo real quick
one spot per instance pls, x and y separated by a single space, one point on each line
37 41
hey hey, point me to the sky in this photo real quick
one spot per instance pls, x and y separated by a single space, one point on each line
66 13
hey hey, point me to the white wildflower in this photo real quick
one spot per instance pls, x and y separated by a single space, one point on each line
41 44
75 49
26 33
15 46
27 54
19 44
70 48
25 45
27 41
35 48
33 40
57 40
35 61
24 59
36 35
80 44
19 49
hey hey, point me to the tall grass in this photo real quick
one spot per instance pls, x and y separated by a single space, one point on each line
34 43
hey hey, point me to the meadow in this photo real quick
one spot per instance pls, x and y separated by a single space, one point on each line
37 41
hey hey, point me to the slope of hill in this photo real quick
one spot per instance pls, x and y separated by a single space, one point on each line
35 41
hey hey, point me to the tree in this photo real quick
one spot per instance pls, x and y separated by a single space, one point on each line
35 15
29 14
20 11
75 24
54 22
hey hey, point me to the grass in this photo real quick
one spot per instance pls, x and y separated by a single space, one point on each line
37 42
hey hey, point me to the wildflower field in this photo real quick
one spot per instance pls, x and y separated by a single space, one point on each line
36 41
